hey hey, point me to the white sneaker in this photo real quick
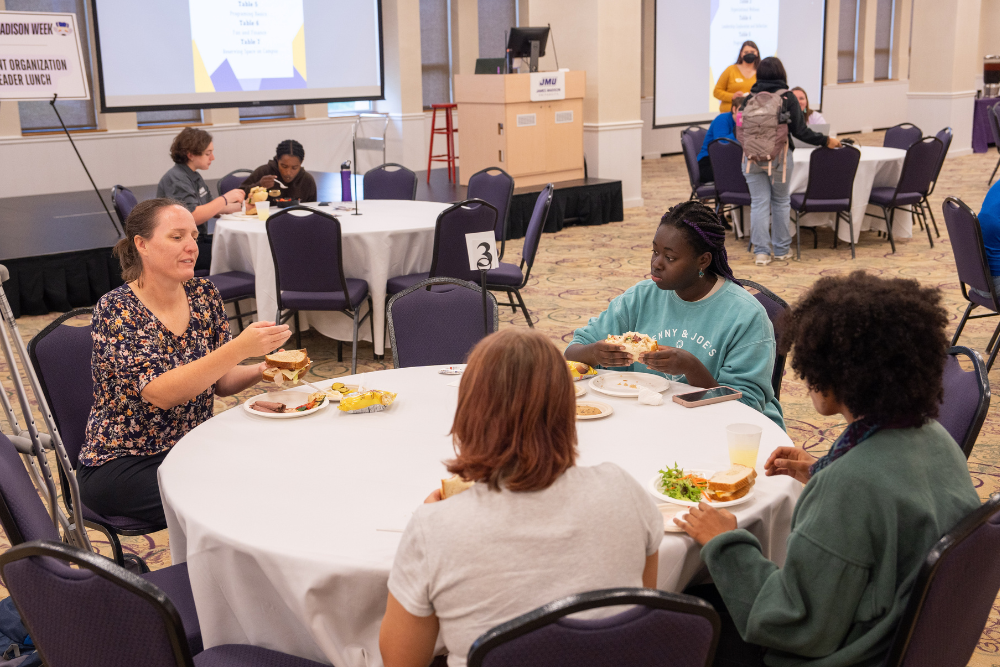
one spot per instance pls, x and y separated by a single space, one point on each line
762 260
783 258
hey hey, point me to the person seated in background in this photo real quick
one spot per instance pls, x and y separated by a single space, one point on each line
192 150
534 527
737 79
286 167
889 488
989 223
723 127
162 352
812 116
709 329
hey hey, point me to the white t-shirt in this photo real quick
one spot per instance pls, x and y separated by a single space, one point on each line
483 557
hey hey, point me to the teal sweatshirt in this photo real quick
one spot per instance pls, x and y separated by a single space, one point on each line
860 532
728 331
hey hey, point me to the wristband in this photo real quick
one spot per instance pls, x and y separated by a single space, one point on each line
224 199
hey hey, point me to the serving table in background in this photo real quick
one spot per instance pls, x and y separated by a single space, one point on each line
390 238
290 527
879 167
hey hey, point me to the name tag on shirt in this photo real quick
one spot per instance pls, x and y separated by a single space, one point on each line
739 80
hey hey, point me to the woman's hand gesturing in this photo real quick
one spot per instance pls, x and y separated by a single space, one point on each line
790 461
260 338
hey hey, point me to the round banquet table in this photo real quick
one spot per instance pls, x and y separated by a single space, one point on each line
391 238
289 526
879 167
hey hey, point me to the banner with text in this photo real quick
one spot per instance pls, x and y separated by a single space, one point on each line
40 56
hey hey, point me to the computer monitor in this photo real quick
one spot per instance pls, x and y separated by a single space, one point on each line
521 41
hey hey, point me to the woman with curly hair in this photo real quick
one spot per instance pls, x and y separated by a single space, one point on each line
872 350
710 330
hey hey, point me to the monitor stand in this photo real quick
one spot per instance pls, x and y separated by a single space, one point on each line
533 63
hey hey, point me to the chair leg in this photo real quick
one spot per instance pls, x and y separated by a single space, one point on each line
993 355
298 331
994 173
930 209
798 237
523 308
961 323
239 315
340 350
371 323
430 153
850 228
354 349
512 304
925 224
815 238
888 227
992 346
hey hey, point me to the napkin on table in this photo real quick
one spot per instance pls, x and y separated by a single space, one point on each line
650 397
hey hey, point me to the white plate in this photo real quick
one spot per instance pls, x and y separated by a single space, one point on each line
350 388
654 488
578 388
603 407
291 399
628 384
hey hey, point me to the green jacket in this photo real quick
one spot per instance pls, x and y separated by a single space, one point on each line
860 532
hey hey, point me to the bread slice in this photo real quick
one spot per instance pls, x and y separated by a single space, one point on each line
290 359
734 479
453 486
269 372
722 496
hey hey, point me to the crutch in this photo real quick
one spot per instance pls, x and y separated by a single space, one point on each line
32 447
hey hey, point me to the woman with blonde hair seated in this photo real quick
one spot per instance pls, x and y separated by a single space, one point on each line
533 528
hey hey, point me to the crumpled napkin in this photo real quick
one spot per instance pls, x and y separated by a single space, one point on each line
650 397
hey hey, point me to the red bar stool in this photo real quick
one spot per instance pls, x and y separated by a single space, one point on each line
449 131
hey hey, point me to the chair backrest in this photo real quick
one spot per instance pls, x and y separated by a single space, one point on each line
994 117
966 238
22 513
307 250
93 615
451 255
775 306
664 628
726 156
831 174
124 201
902 136
497 189
233 180
536 225
692 139
920 165
952 597
61 356
399 183
966 398
440 326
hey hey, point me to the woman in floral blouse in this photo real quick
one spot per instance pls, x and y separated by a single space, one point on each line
162 350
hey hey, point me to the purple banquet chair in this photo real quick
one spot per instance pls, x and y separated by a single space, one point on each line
381 183
97 614
496 189
993 116
661 629
966 398
945 136
233 180
775 306
952 597
511 278
731 189
24 519
61 356
830 190
692 139
902 136
308 254
973 268
919 167
124 201
438 327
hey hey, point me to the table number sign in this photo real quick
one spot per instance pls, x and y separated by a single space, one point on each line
482 251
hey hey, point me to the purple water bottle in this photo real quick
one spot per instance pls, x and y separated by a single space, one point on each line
345 181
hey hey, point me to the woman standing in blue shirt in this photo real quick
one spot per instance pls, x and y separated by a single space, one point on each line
710 330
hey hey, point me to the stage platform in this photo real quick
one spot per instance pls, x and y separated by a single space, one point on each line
58 247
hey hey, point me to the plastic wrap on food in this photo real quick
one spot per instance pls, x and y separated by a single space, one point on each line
579 370
372 400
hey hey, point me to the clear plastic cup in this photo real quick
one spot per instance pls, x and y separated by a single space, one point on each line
263 209
744 442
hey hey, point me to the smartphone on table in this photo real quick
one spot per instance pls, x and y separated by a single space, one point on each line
694 399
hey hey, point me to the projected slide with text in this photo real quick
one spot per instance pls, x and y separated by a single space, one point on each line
734 22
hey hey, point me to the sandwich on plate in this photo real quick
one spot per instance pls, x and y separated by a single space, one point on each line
286 365
731 484
634 343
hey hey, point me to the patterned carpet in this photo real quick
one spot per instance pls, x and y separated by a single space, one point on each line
578 270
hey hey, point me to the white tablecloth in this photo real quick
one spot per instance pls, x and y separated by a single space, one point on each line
391 238
289 527
879 167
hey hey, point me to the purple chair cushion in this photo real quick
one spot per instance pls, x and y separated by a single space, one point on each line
243 655
798 200
176 584
884 197
26 509
123 524
233 180
726 156
706 191
234 285
508 275
357 290
400 283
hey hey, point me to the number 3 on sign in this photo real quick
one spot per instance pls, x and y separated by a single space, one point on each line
482 251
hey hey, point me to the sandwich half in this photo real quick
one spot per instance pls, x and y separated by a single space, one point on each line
289 364
634 343
453 486
731 484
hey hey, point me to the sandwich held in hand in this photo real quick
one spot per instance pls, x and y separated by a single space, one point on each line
256 194
731 484
286 365
453 486
634 343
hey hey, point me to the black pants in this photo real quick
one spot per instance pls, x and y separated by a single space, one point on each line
125 486
705 170
732 650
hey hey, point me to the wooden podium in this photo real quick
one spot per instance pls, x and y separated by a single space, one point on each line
534 142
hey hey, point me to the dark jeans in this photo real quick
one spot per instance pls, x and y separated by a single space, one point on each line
732 650
705 170
125 486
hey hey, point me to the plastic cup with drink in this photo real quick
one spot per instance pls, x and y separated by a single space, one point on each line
263 208
744 441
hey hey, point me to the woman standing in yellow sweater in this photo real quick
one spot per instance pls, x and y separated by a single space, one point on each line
737 80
